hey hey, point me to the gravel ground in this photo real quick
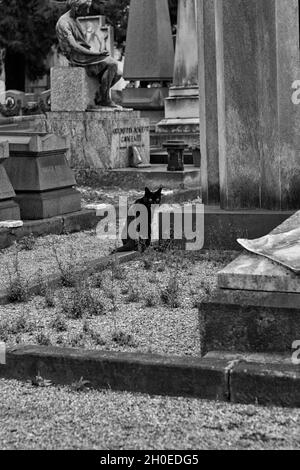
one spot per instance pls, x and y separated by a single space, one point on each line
111 195
149 305
72 248
59 418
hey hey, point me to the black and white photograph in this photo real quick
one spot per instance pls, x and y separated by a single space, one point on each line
149 229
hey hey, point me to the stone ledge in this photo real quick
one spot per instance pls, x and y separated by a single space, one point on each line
260 380
74 222
133 372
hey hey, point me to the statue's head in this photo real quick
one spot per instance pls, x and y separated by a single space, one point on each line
79 7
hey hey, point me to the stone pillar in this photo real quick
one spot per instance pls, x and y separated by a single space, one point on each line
149 51
257 45
149 57
210 179
182 105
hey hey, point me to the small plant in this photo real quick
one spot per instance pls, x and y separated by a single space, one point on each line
39 381
68 274
80 386
20 326
49 298
81 302
97 338
18 289
78 341
97 281
116 270
4 332
59 324
27 243
43 339
123 339
170 295
151 300
133 296
153 279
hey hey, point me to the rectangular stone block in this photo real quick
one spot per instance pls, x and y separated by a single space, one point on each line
47 204
255 322
72 89
102 138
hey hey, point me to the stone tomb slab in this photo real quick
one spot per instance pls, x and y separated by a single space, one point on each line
257 273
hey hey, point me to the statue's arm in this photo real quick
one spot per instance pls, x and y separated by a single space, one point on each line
76 46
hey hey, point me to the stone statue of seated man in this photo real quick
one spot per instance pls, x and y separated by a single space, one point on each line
76 49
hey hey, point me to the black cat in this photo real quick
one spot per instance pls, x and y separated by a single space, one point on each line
142 243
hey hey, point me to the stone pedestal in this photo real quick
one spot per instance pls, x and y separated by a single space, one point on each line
9 210
182 104
100 139
40 175
258 124
72 89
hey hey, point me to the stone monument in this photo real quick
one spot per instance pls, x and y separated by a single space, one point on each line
85 48
182 104
9 209
101 134
149 57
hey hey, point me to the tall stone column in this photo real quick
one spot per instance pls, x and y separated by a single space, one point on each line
182 105
210 178
257 44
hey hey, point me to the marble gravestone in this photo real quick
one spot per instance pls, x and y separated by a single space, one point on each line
9 209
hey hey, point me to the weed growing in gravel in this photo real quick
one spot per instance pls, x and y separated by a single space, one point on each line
39 381
21 325
27 243
170 294
49 298
134 295
59 323
80 386
18 289
97 281
81 302
66 267
43 339
151 299
95 337
122 339
117 271
4 331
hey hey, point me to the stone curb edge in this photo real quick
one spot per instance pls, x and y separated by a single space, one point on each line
231 379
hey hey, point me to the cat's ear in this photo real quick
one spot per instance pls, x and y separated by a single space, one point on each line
147 191
159 191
